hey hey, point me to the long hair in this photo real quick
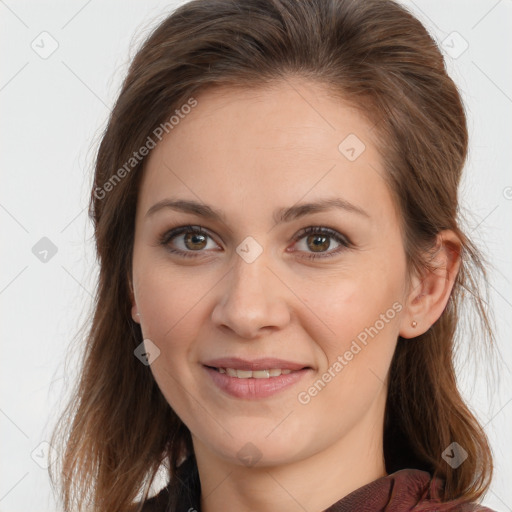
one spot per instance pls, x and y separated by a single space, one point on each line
118 429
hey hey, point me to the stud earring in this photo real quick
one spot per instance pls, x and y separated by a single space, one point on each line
414 324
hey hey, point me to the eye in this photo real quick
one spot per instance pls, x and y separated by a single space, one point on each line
194 241
319 240
316 239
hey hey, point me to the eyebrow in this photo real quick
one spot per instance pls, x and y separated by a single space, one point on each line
281 215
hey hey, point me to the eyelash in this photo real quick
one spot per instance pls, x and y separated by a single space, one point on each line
167 236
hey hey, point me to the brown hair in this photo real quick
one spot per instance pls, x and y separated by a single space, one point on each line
118 429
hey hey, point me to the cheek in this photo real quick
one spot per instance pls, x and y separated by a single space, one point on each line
168 304
345 306
362 312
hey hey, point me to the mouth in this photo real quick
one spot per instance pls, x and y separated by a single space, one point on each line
255 374
262 368
255 379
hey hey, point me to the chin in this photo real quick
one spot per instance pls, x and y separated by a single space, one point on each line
259 450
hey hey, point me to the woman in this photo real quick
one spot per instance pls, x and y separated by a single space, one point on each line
281 271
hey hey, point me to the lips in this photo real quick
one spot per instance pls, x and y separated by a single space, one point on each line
254 379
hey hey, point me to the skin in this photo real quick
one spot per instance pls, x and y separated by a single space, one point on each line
248 153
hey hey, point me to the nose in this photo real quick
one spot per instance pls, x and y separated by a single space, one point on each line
252 301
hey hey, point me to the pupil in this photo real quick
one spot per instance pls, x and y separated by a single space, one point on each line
194 237
322 244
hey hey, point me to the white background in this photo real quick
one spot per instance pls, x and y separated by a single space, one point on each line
53 111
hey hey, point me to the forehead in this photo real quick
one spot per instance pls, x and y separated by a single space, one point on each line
268 146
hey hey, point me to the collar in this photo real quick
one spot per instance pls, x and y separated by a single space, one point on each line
402 491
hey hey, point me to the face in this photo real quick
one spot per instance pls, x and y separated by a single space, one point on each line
276 322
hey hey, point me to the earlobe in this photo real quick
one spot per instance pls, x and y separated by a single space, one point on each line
135 312
412 318
430 292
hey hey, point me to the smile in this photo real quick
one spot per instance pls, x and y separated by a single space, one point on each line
254 384
254 374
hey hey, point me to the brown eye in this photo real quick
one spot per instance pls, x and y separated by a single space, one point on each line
318 243
319 240
187 240
195 241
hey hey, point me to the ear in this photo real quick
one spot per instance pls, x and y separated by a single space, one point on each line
135 312
429 292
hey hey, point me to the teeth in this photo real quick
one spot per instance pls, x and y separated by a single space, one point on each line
256 374
259 374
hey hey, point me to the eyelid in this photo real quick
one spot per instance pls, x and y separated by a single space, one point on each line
343 239
169 234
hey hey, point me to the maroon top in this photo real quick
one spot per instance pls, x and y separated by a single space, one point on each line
403 491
